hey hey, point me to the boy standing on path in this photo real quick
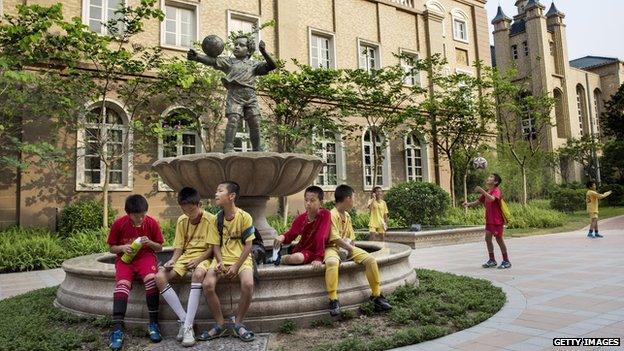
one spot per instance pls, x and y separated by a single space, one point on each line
493 219
592 198
378 223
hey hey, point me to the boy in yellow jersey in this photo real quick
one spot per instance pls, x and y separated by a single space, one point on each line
378 223
341 235
592 198
190 248
231 237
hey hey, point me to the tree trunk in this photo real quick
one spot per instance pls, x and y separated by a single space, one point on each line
465 180
105 199
524 186
452 183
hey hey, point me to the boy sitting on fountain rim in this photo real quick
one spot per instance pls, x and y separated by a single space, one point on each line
313 226
342 236
190 248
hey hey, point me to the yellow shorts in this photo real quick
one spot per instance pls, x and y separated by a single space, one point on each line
593 215
377 230
358 255
212 264
180 265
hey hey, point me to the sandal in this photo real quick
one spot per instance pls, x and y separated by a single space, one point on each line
216 331
246 335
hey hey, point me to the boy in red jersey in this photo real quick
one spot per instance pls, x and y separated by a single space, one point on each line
493 219
135 224
313 226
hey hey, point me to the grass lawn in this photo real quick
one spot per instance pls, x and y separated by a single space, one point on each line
575 221
441 304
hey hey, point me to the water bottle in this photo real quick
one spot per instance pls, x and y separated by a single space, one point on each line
136 246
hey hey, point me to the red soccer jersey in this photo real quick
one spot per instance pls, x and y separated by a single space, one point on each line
313 234
493 212
123 232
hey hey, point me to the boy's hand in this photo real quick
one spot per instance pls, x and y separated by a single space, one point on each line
219 267
478 189
278 241
608 192
191 55
145 240
231 272
193 263
262 46
169 264
465 204
126 249
317 263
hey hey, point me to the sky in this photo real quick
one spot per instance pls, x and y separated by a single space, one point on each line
594 28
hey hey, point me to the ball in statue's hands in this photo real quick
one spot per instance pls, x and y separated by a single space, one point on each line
479 162
212 45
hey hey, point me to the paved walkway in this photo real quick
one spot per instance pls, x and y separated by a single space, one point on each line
560 285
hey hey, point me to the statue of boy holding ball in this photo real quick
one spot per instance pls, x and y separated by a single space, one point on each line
240 82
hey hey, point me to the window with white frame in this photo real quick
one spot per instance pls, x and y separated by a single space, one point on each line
460 29
525 45
597 109
514 52
322 50
328 146
415 158
369 56
238 22
412 76
181 136
97 12
368 161
241 138
103 140
180 25
581 109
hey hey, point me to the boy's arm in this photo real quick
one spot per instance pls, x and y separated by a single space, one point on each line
343 244
488 197
269 65
192 55
216 251
321 235
234 269
204 256
293 231
117 249
602 196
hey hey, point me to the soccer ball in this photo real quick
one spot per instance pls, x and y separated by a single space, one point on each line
213 45
479 163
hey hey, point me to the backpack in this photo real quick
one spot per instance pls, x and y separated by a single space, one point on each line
258 252
507 216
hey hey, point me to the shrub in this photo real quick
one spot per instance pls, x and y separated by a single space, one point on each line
617 196
83 215
288 327
277 222
87 242
168 232
30 249
417 202
567 200
530 216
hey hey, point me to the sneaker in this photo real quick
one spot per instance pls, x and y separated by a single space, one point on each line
116 340
154 332
189 337
504 264
180 335
489 264
596 235
591 235
334 308
380 303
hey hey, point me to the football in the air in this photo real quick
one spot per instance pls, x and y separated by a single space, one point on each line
479 162
212 45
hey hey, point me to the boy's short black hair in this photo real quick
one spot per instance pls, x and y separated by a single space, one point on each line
342 192
188 196
590 183
375 188
315 190
136 204
232 187
497 178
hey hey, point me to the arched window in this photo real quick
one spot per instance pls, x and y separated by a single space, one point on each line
560 118
368 162
581 106
181 137
104 138
460 25
415 158
329 148
598 108
435 6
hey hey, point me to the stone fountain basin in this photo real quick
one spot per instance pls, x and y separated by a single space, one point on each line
295 293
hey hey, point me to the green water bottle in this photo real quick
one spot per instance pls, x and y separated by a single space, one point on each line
136 246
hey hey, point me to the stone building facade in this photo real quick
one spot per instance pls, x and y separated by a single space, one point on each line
535 41
324 33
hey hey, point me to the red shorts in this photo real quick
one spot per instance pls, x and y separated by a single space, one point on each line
495 229
141 266
308 256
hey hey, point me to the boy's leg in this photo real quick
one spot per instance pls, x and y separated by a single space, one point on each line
252 117
146 269
151 297
247 286
595 223
120 302
362 257
194 296
209 286
503 247
294 259
490 246
230 131
166 291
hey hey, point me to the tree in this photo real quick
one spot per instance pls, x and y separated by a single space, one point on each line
381 100
582 151
523 118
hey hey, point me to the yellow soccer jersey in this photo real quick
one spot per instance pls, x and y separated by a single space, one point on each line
378 209
340 229
232 247
592 198
193 239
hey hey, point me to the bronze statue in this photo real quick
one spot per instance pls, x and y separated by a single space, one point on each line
240 82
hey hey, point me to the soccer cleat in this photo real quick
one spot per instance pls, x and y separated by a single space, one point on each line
180 335
380 303
116 340
489 264
591 235
504 265
189 337
334 308
596 235
154 332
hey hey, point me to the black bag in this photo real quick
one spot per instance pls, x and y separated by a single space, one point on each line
258 252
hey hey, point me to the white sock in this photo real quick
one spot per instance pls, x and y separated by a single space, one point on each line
193 303
174 302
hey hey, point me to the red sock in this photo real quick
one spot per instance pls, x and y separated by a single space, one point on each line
505 257
492 256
